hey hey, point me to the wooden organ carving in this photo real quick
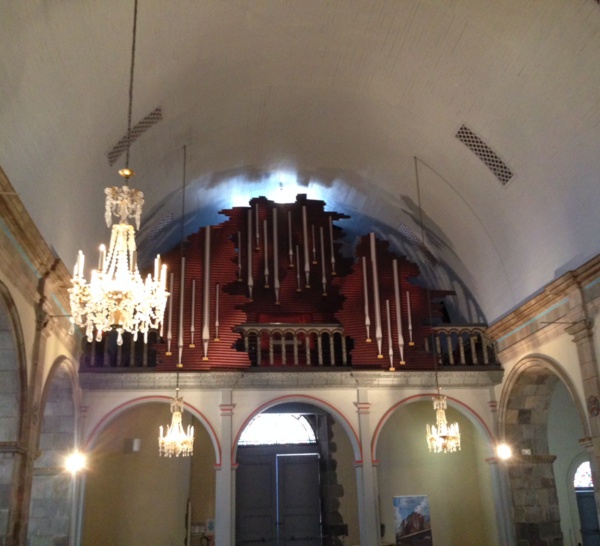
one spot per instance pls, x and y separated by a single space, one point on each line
269 287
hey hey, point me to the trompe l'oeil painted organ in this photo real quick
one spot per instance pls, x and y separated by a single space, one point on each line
270 287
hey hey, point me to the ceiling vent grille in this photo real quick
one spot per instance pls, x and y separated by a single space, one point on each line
493 162
410 236
151 119
162 224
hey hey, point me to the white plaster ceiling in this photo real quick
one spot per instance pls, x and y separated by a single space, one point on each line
337 97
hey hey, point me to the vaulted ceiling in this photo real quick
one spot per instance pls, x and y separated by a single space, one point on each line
351 102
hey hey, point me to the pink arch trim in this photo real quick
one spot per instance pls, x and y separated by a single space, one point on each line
413 398
300 397
136 402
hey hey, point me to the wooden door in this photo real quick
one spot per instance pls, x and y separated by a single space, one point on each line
277 498
298 501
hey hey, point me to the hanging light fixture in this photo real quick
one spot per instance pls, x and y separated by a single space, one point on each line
117 297
178 441
441 437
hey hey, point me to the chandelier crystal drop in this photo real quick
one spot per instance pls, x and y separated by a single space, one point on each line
117 297
442 437
177 441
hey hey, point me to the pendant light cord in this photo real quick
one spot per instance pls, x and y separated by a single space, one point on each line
131 72
421 224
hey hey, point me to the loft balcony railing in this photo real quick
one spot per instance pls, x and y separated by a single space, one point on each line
457 346
293 344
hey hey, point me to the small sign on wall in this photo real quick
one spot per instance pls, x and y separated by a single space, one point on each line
413 520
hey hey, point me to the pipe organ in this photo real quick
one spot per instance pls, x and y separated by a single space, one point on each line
278 292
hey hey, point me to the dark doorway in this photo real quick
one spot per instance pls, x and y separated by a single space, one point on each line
277 496
588 517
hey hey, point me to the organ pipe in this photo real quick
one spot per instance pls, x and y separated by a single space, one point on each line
398 313
389 332
323 276
206 294
193 321
217 290
305 236
378 332
366 296
290 251
275 258
333 273
250 279
169 328
266 257
181 300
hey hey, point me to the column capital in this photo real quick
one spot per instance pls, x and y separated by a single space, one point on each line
580 329
227 409
363 408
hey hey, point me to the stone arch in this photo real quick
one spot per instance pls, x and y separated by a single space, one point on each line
50 503
13 399
331 410
93 436
523 422
526 397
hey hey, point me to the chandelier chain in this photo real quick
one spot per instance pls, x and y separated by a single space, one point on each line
131 73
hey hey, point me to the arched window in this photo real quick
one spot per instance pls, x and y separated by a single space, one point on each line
583 476
278 428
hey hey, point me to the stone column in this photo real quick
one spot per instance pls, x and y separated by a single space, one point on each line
224 524
500 484
23 473
535 502
583 338
501 494
367 488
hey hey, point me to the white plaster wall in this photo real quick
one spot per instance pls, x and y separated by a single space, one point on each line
135 498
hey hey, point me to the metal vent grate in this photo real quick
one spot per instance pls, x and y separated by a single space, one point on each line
151 119
410 236
485 153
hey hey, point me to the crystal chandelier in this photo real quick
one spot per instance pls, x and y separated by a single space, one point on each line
116 296
177 441
442 437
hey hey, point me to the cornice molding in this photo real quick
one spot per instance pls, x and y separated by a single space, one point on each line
288 380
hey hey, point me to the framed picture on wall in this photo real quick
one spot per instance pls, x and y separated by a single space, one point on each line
413 520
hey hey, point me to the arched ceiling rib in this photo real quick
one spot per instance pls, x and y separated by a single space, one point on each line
334 97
